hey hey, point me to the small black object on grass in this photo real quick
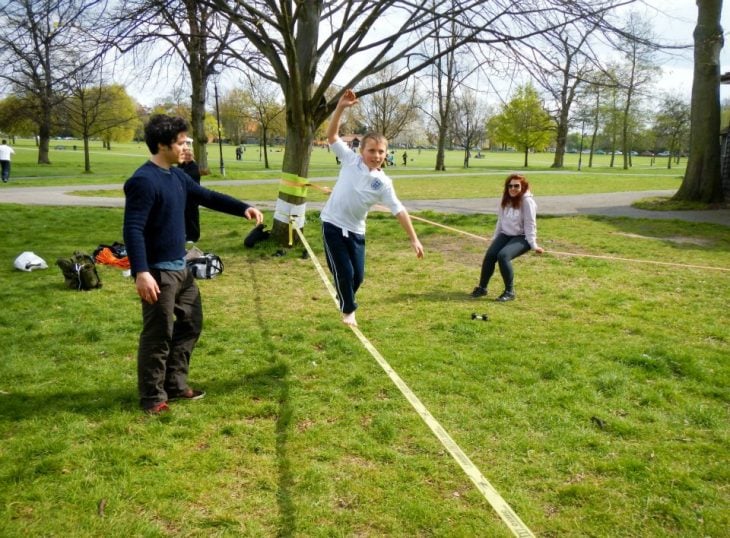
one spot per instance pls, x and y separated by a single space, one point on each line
599 422
482 317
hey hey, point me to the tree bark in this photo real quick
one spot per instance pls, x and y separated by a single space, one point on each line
702 181
44 135
198 68
560 139
303 115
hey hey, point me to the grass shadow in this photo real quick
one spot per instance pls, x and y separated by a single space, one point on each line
280 371
679 234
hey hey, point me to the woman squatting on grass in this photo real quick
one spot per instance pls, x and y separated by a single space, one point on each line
515 234
360 185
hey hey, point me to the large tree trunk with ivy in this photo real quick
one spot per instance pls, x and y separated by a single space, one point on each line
702 182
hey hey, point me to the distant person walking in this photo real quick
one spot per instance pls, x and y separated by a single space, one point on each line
5 153
405 159
515 234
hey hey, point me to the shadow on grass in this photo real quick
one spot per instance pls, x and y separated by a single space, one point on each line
270 382
687 219
22 406
287 522
460 296
680 234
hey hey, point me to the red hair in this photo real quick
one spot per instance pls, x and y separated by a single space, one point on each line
514 201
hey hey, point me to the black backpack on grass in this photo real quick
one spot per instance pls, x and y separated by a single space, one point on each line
79 271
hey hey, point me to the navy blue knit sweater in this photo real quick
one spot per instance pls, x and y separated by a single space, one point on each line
154 213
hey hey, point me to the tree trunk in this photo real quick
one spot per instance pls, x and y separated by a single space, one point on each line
440 150
44 134
702 181
527 150
303 115
561 139
596 118
198 83
626 113
291 202
198 67
44 138
87 156
264 135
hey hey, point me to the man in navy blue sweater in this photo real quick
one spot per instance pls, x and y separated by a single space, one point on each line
154 234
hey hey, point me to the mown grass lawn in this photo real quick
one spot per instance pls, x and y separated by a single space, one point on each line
596 404
115 165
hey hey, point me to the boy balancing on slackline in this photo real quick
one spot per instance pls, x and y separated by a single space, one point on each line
360 185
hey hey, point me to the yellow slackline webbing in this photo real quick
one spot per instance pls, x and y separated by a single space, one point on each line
577 255
299 184
293 185
655 262
414 217
510 518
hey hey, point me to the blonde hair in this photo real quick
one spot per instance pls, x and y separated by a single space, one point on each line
375 137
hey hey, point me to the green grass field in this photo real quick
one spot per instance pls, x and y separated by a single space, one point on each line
114 166
596 404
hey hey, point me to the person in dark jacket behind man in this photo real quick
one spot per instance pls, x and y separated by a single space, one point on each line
154 234
192 213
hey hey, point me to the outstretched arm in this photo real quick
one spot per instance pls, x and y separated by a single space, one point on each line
347 100
405 221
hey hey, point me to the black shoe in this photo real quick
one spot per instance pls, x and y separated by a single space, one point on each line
257 235
506 296
478 292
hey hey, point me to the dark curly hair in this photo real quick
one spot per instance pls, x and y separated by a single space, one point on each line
163 129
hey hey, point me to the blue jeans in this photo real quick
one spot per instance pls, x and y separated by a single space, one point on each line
503 250
5 170
346 260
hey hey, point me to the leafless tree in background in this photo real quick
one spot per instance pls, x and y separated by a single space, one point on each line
172 33
38 45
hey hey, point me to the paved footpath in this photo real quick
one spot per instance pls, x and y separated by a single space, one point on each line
615 204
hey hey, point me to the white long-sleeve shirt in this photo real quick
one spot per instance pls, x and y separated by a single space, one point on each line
523 221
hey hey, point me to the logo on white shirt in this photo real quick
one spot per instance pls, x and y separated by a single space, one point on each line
376 184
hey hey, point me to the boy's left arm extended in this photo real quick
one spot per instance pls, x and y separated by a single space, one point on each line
405 221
